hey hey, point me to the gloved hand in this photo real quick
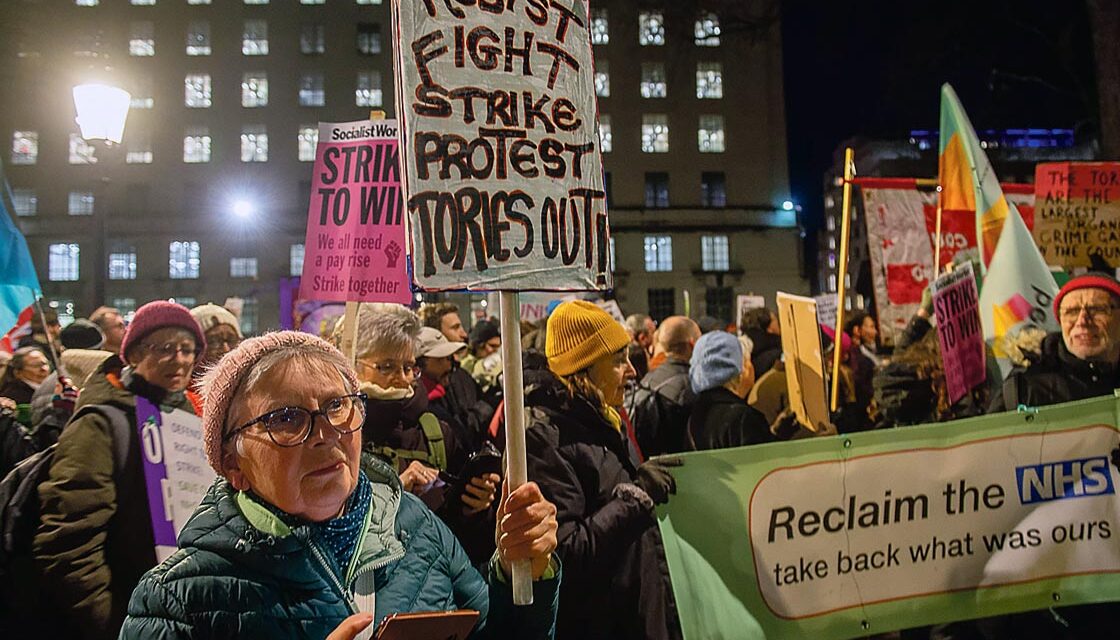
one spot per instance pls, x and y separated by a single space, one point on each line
654 478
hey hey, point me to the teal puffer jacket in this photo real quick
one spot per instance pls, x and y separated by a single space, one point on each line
241 572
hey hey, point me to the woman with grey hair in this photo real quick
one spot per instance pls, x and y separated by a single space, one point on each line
295 536
401 430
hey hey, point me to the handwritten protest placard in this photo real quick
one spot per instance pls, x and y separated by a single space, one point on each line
501 159
176 472
956 305
1078 214
355 232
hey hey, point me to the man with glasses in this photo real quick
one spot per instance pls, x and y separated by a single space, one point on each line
1079 362
94 539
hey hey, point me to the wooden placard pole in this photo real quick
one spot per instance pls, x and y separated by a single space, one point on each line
841 289
350 317
513 393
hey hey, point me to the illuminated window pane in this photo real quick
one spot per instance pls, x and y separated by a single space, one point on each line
183 261
254 143
311 92
198 38
709 80
197 90
243 267
659 253
62 263
602 79
254 89
26 202
81 152
254 38
80 203
710 134
653 80
308 139
295 259
141 39
368 91
707 30
605 133
714 253
196 145
25 147
138 148
600 32
651 28
655 133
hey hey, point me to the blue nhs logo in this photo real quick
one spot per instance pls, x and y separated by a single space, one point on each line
1064 479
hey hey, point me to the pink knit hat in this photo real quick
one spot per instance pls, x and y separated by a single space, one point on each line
227 376
156 315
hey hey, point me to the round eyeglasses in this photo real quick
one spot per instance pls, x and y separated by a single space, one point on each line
292 426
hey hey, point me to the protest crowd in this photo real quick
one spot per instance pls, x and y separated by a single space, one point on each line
405 475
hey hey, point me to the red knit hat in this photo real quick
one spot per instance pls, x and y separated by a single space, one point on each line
157 315
1094 280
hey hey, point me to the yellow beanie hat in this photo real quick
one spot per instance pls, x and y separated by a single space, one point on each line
578 334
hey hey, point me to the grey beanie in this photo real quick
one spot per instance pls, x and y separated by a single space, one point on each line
716 358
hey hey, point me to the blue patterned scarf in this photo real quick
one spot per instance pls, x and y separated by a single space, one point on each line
340 534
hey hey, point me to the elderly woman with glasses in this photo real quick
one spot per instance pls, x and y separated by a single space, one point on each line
300 538
401 429
95 539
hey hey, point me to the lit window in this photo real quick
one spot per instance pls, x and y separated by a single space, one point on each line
80 203
254 143
25 201
312 1
86 3
256 1
81 152
657 190
832 243
198 93
655 133
127 307
254 38
714 253
369 1
830 223
141 39
25 147
197 2
659 253
604 133
713 189
311 93
653 80
62 265
183 263
198 38
295 259
254 89
64 307
122 264
368 92
144 3
196 145
602 79
707 30
308 139
709 80
600 32
243 267
710 134
141 92
369 39
138 149
831 260
613 259
250 311
312 39
651 28
832 283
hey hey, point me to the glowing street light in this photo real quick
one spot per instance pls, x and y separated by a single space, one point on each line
243 209
787 205
102 111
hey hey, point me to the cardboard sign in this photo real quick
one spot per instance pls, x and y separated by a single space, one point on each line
956 305
504 180
355 232
826 309
866 533
1078 214
744 303
805 373
176 473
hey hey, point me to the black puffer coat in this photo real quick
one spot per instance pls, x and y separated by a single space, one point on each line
1056 376
721 420
616 581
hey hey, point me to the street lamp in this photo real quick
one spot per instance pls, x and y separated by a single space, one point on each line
102 110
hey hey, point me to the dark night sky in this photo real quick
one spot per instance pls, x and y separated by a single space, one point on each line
873 68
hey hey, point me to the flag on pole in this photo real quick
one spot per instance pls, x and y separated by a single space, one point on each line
968 182
1019 289
19 286
10 341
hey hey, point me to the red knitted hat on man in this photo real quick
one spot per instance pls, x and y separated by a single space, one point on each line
1095 280
157 315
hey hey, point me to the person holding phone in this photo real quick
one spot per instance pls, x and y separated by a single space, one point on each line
302 536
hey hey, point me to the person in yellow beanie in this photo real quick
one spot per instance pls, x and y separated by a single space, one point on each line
616 582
